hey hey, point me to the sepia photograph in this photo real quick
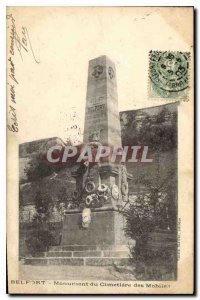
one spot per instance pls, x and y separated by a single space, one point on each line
100 128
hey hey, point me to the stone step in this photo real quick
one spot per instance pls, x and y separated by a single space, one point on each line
107 261
43 261
88 247
115 253
73 248
76 261
86 253
58 254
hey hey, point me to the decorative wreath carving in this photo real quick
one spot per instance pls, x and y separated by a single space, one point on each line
102 188
97 71
99 198
90 187
111 73
125 188
91 200
115 192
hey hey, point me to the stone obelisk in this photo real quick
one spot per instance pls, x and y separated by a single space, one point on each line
102 115
102 123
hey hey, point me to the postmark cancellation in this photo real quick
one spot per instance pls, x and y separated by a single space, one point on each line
169 74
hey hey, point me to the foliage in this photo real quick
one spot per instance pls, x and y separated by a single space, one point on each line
157 131
155 206
41 237
38 168
152 210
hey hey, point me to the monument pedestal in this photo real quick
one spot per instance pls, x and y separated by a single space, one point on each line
106 228
101 188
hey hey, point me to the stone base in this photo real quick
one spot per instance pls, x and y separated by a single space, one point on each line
83 261
103 243
106 228
81 256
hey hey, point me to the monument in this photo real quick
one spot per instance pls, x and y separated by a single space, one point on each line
102 115
101 189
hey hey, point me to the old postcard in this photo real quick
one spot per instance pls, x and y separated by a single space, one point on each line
100 129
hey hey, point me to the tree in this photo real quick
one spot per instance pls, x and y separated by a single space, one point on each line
41 237
38 168
153 210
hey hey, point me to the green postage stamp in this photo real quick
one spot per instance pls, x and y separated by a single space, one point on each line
169 74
